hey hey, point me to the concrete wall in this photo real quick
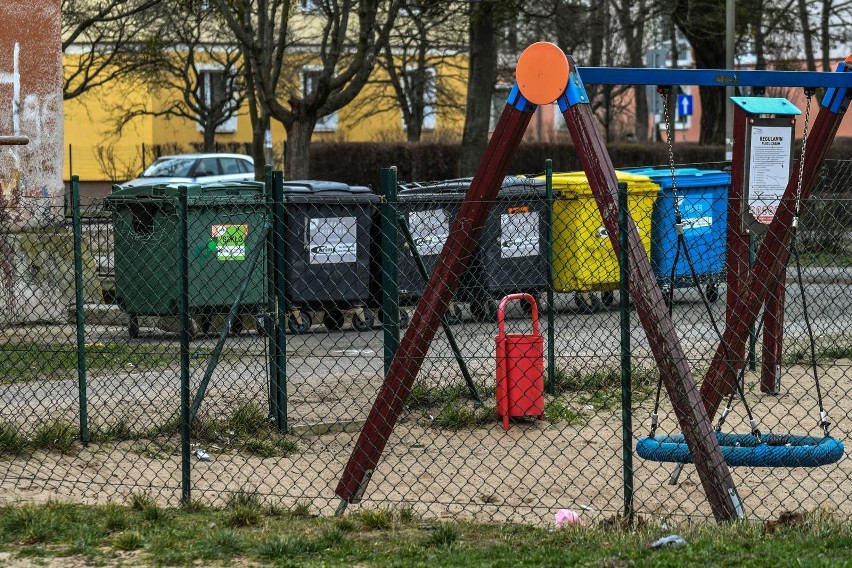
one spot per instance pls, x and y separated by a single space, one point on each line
30 105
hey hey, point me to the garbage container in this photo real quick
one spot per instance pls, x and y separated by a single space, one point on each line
703 206
584 260
225 222
327 255
510 256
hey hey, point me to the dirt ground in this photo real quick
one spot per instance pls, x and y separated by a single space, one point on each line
524 475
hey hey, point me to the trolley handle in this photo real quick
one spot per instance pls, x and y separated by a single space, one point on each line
501 312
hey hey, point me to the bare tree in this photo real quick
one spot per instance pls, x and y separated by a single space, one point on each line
420 62
196 66
345 38
103 40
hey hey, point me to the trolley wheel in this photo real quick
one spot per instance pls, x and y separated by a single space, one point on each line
404 318
333 319
712 292
205 324
237 324
587 302
363 320
484 310
454 315
133 327
608 298
260 323
301 323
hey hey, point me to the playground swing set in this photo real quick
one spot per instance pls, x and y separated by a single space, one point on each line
545 75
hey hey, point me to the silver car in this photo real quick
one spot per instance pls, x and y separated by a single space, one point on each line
197 168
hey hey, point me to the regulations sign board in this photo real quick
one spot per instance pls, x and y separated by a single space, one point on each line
769 137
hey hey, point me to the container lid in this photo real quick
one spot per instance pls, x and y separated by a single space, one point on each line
319 189
512 185
217 190
578 184
685 177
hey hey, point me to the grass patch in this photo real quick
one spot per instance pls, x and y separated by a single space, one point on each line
556 410
56 435
458 415
391 538
29 361
12 442
802 354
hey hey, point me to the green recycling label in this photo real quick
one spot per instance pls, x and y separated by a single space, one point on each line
230 241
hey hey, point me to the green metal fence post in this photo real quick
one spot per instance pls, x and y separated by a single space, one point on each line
271 276
626 370
183 311
280 377
752 332
551 308
80 316
390 282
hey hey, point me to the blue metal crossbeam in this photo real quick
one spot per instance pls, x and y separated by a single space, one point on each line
712 77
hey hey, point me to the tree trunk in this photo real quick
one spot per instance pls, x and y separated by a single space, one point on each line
824 33
298 154
482 74
806 35
633 32
259 122
702 22
209 136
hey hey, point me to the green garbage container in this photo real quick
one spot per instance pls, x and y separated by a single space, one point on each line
226 221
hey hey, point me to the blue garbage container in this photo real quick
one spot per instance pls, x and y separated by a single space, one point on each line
703 201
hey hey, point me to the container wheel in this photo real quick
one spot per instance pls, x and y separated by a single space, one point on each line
712 292
454 315
484 310
333 319
588 302
237 324
527 306
363 319
608 298
133 327
300 323
404 318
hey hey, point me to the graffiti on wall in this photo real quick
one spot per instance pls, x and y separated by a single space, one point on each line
30 105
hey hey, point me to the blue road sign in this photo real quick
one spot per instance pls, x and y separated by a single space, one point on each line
684 105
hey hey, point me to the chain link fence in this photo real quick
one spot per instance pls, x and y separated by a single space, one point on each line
247 357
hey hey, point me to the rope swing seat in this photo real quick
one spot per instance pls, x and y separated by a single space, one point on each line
768 450
755 449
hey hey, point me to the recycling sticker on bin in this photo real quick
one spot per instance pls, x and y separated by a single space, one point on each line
519 235
430 230
332 240
229 241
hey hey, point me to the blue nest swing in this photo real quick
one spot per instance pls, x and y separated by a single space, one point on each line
770 450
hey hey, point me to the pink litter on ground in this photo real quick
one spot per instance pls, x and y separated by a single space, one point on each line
567 517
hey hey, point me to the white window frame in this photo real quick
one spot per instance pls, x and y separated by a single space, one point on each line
430 93
326 123
204 71
310 6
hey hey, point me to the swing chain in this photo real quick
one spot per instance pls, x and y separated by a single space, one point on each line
664 91
809 92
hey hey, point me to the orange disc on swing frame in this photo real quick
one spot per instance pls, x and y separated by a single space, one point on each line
542 73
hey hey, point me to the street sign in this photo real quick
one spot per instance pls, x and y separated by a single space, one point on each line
684 105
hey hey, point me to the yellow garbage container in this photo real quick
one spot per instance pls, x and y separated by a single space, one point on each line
583 258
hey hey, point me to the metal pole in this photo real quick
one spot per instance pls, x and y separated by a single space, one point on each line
730 42
280 377
551 309
80 311
390 281
183 311
272 275
626 368
70 161
752 332
448 331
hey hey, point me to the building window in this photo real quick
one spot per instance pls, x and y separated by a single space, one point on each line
213 91
310 78
311 6
430 96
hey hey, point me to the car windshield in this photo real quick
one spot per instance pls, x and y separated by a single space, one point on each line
169 167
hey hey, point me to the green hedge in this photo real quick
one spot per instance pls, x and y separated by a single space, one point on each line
360 162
